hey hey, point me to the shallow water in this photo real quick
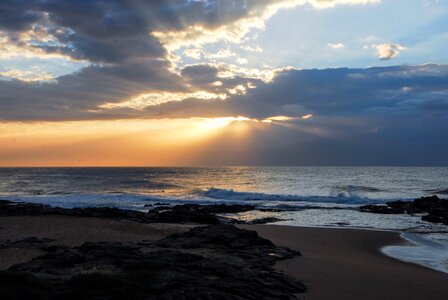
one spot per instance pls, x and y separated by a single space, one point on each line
421 250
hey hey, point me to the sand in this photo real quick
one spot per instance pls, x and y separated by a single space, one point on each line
74 231
348 264
336 263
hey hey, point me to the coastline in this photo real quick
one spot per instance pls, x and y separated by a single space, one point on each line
349 264
335 263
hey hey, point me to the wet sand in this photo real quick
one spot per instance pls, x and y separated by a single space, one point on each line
348 264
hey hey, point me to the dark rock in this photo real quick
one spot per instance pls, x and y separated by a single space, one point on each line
227 209
29 242
436 209
187 213
212 262
52 248
161 204
432 218
265 220
382 209
6 202
215 236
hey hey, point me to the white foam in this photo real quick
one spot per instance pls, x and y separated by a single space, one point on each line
230 194
422 251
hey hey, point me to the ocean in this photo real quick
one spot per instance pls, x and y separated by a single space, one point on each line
302 196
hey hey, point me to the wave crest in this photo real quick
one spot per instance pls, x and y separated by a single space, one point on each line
230 194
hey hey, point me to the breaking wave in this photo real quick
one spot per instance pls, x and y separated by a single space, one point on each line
230 194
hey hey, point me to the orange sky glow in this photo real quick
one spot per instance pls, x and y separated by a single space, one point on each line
164 142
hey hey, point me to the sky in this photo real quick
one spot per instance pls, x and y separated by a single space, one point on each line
223 82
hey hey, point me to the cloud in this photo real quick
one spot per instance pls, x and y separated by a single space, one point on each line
231 21
389 51
205 90
131 74
193 53
336 45
252 49
372 92
153 99
77 96
28 76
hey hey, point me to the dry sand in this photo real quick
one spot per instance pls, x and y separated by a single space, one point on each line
336 263
74 231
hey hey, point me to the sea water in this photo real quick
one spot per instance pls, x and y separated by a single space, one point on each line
302 196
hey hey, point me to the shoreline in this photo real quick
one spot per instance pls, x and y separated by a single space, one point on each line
350 264
336 263
402 249
62 244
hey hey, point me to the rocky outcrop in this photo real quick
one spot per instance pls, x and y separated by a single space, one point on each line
29 242
213 262
434 208
186 213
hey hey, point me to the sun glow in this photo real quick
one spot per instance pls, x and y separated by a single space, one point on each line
122 142
213 123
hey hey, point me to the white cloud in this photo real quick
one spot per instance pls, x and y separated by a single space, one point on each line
27 76
336 45
257 12
151 99
193 53
252 49
223 53
389 51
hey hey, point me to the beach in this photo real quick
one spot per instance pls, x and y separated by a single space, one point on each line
334 263
348 264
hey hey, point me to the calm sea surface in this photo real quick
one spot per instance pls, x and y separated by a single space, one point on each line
306 196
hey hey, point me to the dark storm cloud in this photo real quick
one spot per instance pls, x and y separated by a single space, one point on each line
330 92
391 92
374 116
113 31
76 96
18 15
204 75
113 35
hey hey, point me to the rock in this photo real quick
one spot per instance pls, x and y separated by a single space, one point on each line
29 242
432 218
265 220
436 209
212 262
215 236
382 209
161 204
186 213
226 209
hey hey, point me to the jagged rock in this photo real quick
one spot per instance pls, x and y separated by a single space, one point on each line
226 263
29 242
382 209
265 220
186 213
217 236
432 218
436 209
